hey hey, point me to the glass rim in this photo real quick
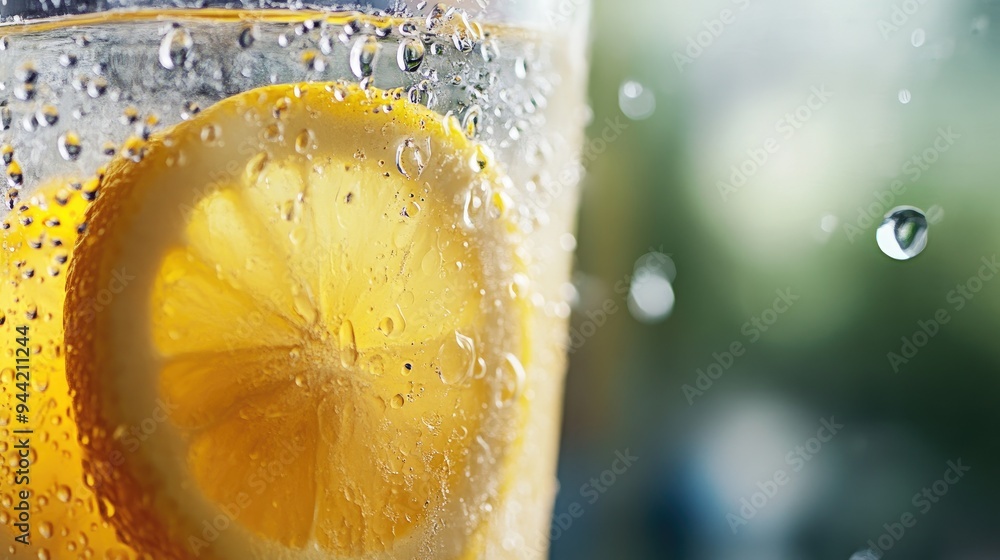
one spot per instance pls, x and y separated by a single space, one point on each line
522 12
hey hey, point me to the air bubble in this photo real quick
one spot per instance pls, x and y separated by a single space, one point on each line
97 87
247 36
48 115
363 55
303 141
410 159
70 146
512 378
175 48
456 359
410 55
397 402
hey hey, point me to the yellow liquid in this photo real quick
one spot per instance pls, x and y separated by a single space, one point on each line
535 145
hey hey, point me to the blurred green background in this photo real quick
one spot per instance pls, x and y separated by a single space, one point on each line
837 112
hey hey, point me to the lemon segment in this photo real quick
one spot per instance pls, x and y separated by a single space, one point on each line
312 322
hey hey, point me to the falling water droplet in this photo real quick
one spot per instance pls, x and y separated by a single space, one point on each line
905 96
175 48
918 37
903 233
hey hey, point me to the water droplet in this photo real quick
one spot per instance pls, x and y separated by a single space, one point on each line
636 101
256 166
410 159
456 359
903 233
512 377
300 380
175 48
107 508
464 37
410 55
436 16
397 402
918 37
348 346
471 120
70 146
63 493
363 55
905 96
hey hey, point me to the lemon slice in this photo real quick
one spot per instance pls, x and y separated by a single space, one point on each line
306 332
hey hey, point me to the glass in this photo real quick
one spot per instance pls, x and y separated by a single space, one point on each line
285 282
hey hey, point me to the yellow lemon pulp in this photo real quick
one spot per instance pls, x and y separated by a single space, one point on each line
305 335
